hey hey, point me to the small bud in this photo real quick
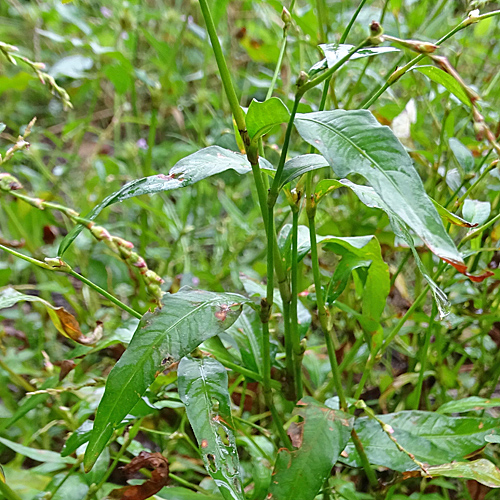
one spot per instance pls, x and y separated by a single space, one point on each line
302 79
137 261
286 17
123 243
376 33
57 263
152 277
100 233
9 182
39 65
472 18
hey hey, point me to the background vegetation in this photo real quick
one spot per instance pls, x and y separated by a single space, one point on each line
128 89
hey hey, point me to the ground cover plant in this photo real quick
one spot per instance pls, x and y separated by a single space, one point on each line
249 250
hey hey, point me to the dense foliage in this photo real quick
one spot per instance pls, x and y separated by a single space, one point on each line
249 251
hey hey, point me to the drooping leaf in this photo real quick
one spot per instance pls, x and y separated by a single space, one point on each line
196 167
150 487
63 320
447 81
354 142
263 116
451 217
468 404
482 471
434 439
462 154
203 388
36 454
300 165
319 439
334 52
477 212
162 338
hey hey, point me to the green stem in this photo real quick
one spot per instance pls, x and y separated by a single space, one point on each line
275 186
106 294
424 354
322 312
298 350
83 279
238 114
18 380
279 63
370 473
351 22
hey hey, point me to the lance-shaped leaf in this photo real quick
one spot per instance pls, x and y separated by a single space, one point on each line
263 116
162 338
319 439
473 403
482 471
434 439
447 81
354 142
63 320
36 454
204 391
196 167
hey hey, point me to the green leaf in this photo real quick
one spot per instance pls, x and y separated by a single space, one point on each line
477 212
196 167
462 154
38 455
451 217
263 116
433 439
359 251
354 142
300 165
203 388
482 471
468 404
334 52
2 127
447 81
162 338
319 439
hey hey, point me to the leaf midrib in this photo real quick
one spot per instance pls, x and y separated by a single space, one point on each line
150 349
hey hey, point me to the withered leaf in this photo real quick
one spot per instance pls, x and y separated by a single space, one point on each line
158 480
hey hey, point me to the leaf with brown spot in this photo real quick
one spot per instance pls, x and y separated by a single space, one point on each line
159 477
